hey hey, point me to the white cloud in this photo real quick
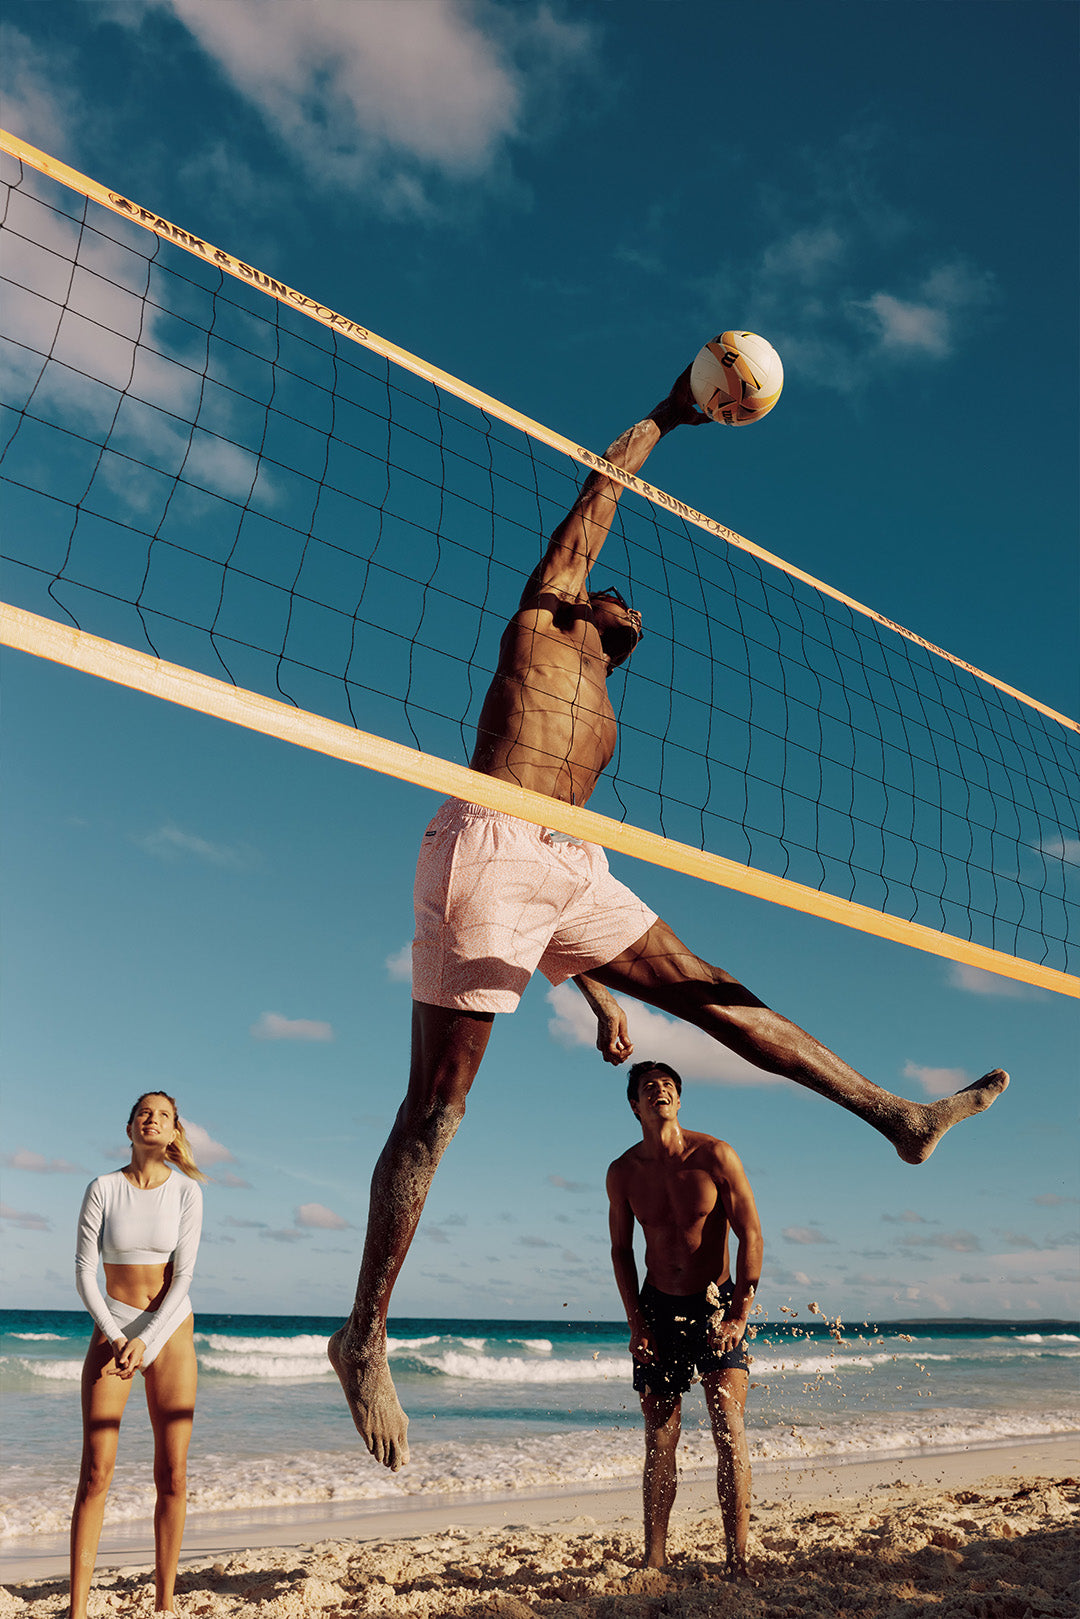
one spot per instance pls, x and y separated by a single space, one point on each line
1035 1267
1060 847
569 1186
104 341
234 1182
937 1081
287 1235
272 1026
780 1276
924 325
915 1294
23 1158
909 1217
399 965
978 982
37 102
319 1217
220 171
340 79
224 468
205 1150
691 1053
384 97
804 1235
957 1242
917 328
24 1220
809 274
170 842
806 255
1018 1239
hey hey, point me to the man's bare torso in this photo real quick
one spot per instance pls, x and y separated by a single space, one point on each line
679 1205
547 722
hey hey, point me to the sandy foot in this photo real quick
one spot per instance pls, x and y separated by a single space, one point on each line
373 1401
932 1119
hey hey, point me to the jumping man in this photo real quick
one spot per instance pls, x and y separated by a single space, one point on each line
497 897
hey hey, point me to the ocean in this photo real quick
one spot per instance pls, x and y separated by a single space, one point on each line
504 1406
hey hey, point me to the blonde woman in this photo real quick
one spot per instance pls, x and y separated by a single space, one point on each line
144 1221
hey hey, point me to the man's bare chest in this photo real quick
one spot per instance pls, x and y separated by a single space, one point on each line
683 1201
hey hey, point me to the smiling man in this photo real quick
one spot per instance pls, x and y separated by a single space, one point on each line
689 1193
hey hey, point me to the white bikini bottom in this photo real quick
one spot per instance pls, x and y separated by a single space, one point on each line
136 1323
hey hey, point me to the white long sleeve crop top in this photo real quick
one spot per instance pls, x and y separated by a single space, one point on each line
133 1225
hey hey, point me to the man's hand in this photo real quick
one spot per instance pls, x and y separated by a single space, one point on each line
641 1345
612 1037
613 1041
725 1335
680 408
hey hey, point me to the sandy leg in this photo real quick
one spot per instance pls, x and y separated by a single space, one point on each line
446 1053
369 1389
662 972
918 1131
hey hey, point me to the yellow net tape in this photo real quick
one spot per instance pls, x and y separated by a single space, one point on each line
230 265
29 632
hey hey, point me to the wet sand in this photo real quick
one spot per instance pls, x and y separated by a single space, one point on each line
978 1534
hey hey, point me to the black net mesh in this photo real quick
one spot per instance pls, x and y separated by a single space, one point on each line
192 468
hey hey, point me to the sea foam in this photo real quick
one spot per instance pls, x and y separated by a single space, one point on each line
468 1467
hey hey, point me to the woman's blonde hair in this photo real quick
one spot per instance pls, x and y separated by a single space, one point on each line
178 1151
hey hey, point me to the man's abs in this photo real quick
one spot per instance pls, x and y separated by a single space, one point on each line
676 1266
545 734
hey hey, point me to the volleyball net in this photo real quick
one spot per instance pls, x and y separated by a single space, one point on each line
221 491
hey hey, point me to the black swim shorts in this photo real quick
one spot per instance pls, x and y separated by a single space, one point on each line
678 1326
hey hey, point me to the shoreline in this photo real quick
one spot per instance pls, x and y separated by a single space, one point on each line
779 1487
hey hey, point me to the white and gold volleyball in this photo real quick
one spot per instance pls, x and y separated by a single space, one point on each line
737 378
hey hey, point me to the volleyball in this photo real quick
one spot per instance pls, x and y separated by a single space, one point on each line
737 378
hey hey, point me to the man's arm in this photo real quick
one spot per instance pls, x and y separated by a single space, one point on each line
743 1218
612 1037
576 543
621 1223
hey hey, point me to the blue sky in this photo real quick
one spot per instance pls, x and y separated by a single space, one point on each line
559 203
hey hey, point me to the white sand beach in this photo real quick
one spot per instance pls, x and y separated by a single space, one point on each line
978 1534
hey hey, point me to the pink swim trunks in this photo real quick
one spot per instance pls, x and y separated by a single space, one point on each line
497 897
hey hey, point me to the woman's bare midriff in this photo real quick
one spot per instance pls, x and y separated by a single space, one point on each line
141 1286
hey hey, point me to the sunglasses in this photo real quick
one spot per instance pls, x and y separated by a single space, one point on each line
613 595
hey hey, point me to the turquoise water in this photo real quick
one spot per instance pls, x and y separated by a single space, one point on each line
502 1405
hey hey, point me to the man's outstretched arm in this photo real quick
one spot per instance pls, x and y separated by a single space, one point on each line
576 543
